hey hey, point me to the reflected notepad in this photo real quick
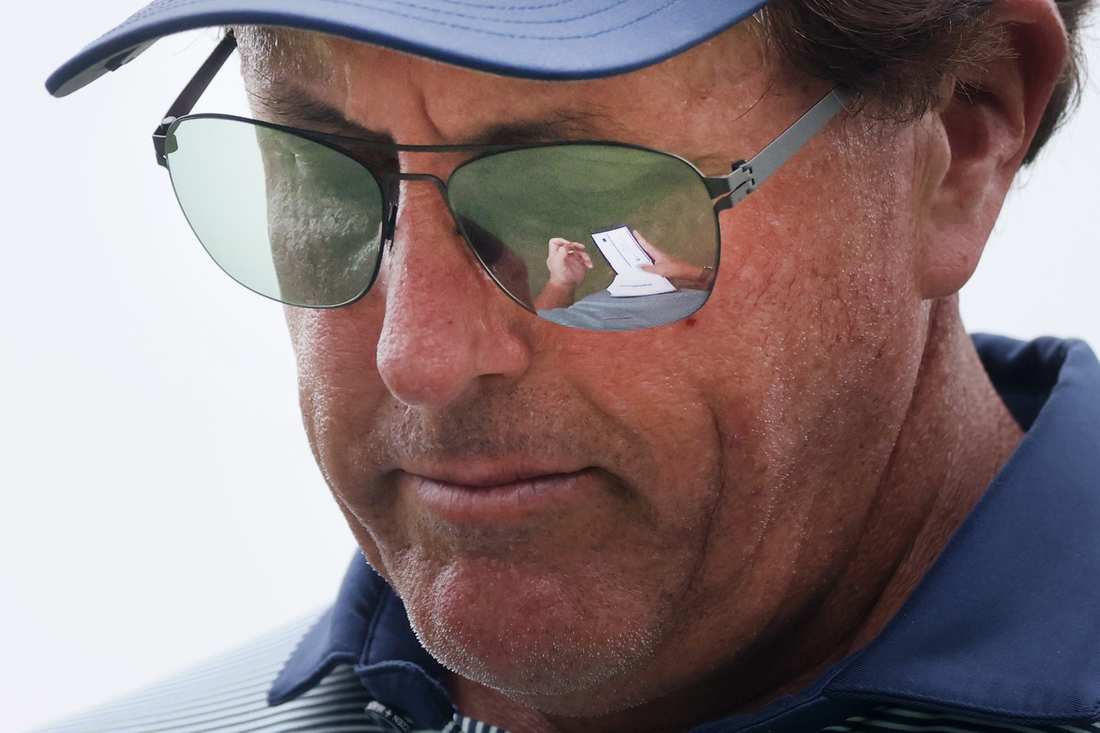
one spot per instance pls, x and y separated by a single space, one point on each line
625 255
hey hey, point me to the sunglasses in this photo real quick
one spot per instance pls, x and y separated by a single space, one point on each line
594 235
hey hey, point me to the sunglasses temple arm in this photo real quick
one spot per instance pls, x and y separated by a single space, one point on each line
747 176
187 99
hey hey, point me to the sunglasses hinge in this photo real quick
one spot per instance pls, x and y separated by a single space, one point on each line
160 141
186 100
732 188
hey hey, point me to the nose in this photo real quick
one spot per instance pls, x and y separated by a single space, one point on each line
448 329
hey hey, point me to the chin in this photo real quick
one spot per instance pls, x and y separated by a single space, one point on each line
535 636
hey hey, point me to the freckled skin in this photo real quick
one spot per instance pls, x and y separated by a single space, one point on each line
760 486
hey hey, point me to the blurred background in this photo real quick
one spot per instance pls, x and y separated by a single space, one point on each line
159 501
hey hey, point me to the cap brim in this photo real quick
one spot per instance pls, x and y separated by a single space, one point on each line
537 39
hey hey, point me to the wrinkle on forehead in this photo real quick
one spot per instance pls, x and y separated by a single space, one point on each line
692 104
267 49
733 55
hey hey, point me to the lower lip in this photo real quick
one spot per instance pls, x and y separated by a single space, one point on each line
507 503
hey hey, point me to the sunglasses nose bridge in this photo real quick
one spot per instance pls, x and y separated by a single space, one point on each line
391 183
426 177
399 206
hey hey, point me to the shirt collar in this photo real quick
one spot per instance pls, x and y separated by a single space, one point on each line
1003 625
1005 622
367 628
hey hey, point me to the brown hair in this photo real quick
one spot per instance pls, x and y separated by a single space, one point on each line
896 54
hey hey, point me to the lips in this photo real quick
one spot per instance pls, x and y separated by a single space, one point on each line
487 497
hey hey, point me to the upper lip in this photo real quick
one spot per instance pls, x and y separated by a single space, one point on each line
489 473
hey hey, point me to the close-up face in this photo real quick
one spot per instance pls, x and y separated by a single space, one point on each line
648 373
566 511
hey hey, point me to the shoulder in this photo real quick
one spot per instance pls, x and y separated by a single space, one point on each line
229 693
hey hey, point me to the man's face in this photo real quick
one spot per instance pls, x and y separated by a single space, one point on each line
589 520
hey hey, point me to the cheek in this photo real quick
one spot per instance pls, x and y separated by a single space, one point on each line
338 383
650 384
820 266
817 324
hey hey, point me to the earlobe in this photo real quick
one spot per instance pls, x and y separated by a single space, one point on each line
985 127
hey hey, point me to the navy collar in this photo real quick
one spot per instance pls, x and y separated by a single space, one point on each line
367 628
1003 626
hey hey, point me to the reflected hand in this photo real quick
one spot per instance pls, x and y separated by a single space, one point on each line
567 263
668 266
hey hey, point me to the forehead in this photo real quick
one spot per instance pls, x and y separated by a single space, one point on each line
377 87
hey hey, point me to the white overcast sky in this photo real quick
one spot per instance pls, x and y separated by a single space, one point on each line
159 500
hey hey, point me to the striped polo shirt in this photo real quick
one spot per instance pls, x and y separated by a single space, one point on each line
1002 635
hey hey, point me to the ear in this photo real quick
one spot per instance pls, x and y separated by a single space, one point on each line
979 137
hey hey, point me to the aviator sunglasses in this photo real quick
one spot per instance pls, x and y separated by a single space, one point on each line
594 235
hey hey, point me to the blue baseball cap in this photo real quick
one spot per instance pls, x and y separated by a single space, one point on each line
537 39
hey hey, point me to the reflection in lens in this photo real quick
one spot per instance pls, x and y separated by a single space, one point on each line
508 269
530 200
285 216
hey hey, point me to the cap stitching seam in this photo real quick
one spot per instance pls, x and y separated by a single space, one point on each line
142 15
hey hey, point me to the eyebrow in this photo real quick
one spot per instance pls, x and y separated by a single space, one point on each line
559 128
293 105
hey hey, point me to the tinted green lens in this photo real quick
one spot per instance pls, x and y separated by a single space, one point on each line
287 217
512 205
596 236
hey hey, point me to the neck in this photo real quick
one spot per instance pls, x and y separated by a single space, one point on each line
956 408
956 436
